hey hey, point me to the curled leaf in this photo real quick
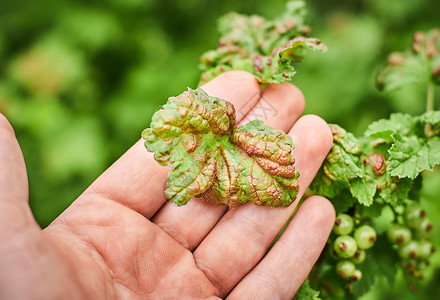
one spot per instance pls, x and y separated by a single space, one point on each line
266 48
210 157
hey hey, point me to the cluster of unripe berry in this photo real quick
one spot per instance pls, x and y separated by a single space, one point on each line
412 240
350 245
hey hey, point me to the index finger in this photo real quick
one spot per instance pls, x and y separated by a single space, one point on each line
137 181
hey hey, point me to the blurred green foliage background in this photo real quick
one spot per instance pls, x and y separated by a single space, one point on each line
80 80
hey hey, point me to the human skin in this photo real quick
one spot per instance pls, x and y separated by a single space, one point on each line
121 239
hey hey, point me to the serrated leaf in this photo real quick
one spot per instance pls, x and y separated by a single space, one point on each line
363 190
411 155
265 48
293 50
431 117
431 122
343 162
342 166
384 128
305 292
211 158
394 190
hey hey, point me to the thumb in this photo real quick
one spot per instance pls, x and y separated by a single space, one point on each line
15 213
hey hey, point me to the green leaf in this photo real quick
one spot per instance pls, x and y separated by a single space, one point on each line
384 128
324 186
431 122
305 292
363 190
431 117
211 158
266 48
343 201
411 155
372 211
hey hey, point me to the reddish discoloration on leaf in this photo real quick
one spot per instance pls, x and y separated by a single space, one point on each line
211 158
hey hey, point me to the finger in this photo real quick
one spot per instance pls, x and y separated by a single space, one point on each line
285 267
279 106
136 180
15 213
13 178
243 235
190 224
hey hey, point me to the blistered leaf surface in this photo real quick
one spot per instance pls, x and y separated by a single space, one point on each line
266 48
383 166
210 157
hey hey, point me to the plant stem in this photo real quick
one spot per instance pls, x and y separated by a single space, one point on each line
396 214
429 106
430 97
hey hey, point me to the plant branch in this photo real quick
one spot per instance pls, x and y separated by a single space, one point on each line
430 97
429 105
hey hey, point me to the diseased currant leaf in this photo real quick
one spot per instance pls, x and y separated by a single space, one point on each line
420 64
394 190
343 161
341 166
264 48
384 128
410 155
361 170
211 158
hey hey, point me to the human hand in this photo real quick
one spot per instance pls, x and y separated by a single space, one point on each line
122 239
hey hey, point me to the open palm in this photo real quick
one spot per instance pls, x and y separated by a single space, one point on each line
122 239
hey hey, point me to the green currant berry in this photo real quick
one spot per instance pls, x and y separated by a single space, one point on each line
359 256
357 275
410 250
399 234
425 249
410 264
345 268
414 215
343 224
345 246
418 274
422 265
424 229
365 236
